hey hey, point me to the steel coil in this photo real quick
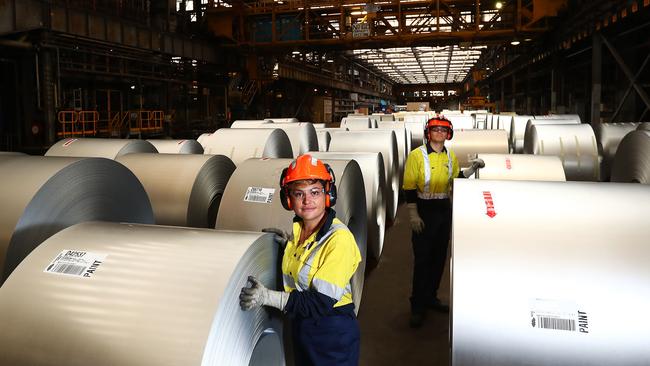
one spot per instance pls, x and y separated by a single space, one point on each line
521 167
372 168
573 117
632 161
379 141
467 143
532 122
504 122
385 117
356 123
137 295
248 122
517 131
319 125
99 148
461 121
177 146
302 135
251 202
403 137
324 139
240 144
643 126
184 190
43 195
416 129
555 278
609 137
575 144
282 120
202 138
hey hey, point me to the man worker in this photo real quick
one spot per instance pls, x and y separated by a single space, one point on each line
428 175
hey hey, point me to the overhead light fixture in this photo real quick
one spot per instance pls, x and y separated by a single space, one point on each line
498 5
515 42
528 39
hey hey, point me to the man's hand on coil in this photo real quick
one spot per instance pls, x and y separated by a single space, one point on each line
281 237
477 163
416 222
258 295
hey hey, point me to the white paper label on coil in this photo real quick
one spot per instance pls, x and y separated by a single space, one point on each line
76 263
560 315
259 195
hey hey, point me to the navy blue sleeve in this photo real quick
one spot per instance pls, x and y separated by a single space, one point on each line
309 304
411 195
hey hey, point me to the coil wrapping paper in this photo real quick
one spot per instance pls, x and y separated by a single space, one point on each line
356 123
177 146
575 144
240 144
184 190
461 121
403 137
533 122
521 167
324 139
632 161
251 202
302 135
163 296
572 259
372 168
467 143
379 141
517 131
43 195
99 148
609 137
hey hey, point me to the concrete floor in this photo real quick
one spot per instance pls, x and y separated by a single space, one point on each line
386 338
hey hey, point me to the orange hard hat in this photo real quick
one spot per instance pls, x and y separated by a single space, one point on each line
439 121
306 167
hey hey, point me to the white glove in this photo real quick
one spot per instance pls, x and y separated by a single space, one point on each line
477 163
258 295
281 237
417 224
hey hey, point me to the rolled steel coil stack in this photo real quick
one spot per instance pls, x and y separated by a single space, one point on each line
609 137
467 143
517 131
632 161
302 135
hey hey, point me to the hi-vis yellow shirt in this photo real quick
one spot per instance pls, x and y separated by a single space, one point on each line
438 165
324 265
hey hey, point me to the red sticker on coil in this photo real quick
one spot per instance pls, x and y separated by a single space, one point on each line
489 204
67 143
181 141
508 164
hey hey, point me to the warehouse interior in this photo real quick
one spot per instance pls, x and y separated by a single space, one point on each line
153 134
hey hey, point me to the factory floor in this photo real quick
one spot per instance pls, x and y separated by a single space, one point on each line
386 338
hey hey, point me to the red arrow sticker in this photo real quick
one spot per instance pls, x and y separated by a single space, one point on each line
508 164
67 143
489 204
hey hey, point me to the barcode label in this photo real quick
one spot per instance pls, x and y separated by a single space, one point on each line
77 263
259 195
554 314
556 323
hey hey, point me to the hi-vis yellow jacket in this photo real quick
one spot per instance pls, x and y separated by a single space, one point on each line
430 177
325 262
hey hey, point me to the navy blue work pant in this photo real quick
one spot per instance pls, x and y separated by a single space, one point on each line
330 340
430 251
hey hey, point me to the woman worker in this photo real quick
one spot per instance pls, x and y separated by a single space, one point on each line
318 263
